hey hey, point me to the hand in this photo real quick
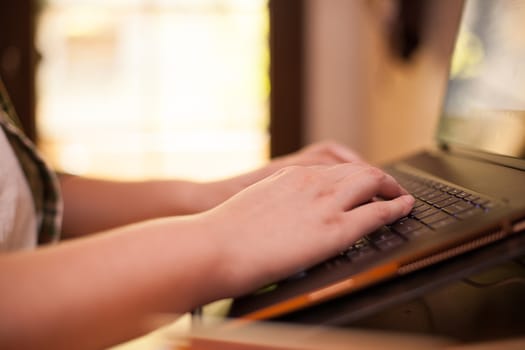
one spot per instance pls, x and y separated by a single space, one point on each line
298 217
321 153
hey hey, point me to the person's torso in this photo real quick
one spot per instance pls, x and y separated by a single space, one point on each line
18 224
30 201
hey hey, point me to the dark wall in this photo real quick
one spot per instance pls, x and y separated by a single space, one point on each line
286 75
17 58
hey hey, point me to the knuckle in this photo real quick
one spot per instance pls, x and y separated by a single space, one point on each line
299 174
325 146
360 163
325 159
376 174
291 169
328 144
331 148
287 172
335 220
347 168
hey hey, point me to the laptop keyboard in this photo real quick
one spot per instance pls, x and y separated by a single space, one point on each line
437 205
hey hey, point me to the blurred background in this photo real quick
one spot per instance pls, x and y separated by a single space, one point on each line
153 88
204 89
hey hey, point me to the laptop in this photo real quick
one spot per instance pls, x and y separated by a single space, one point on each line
470 189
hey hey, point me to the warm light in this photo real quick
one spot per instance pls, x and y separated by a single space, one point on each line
166 88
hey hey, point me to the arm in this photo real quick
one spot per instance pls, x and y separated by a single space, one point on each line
93 205
101 290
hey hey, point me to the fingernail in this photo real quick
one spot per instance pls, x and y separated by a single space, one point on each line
409 199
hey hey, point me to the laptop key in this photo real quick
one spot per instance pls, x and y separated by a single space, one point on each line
458 207
355 254
438 199
418 203
430 212
441 186
337 261
443 223
468 213
454 191
381 234
360 243
392 242
435 218
420 209
462 194
406 225
485 203
471 198
446 202
424 230
430 196
385 239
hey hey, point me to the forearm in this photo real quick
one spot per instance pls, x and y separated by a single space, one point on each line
92 205
98 291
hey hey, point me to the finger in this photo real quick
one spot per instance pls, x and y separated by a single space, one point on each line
342 153
362 186
340 171
334 152
370 217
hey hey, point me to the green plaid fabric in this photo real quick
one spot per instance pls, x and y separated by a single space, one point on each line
42 181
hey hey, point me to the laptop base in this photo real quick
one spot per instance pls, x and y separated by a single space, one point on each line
475 297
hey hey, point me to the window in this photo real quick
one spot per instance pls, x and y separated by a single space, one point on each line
153 88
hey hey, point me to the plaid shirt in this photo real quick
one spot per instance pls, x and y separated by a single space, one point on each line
42 181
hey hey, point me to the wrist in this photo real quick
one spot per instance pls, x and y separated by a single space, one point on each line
189 197
216 192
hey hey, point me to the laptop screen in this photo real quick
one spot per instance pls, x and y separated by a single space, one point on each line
484 106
